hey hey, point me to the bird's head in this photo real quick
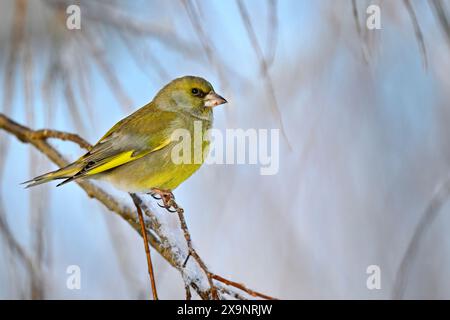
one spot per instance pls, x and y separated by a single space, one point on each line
189 94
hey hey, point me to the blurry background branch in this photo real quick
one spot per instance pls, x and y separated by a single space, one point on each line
418 32
440 196
193 275
264 65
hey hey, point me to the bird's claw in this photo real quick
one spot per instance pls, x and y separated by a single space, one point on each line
166 197
167 207
154 196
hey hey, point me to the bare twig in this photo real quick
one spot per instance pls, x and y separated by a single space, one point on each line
241 287
55 134
147 249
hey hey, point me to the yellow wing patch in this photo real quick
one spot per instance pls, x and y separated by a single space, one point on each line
114 162
123 158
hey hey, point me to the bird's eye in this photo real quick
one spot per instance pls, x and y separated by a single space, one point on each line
195 91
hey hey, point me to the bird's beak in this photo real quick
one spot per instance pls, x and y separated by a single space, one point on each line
212 99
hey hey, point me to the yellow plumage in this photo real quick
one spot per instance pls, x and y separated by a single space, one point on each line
135 154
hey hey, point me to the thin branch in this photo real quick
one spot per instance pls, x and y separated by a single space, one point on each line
55 134
147 249
225 291
241 287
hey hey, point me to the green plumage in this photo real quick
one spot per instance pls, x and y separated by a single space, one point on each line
135 155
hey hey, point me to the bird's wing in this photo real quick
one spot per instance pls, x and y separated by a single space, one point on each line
141 133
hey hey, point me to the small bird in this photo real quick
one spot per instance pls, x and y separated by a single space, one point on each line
135 154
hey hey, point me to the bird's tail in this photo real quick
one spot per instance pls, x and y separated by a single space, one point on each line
63 173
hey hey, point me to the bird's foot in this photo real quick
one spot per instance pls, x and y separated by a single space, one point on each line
166 196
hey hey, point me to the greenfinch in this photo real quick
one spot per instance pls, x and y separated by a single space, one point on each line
135 155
